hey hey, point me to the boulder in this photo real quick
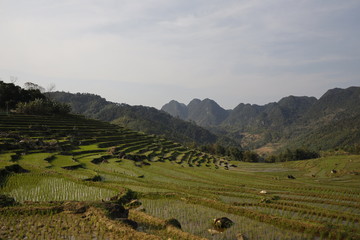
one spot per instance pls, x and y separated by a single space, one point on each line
116 210
222 223
172 222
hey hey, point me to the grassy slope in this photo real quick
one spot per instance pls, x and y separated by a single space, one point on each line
316 203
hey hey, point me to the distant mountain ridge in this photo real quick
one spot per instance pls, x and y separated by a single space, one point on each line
287 121
204 113
208 113
176 109
293 122
139 118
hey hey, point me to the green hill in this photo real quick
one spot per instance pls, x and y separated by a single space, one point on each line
63 170
73 135
138 118
293 122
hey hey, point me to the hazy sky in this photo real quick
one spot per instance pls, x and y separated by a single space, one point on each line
149 52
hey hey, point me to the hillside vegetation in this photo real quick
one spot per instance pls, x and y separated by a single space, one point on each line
293 122
64 171
138 118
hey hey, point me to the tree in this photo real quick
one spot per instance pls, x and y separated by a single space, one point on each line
33 86
250 156
10 95
235 153
43 107
220 150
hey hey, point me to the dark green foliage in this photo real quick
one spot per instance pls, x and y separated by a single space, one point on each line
11 95
275 198
265 200
250 156
353 149
42 107
341 132
29 101
173 223
6 201
96 178
222 223
293 155
115 210
128 196
233 153
15 168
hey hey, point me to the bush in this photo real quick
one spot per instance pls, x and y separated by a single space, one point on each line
43 107
10 95
353 149
250 156
128 196
173 223
293 155
6 201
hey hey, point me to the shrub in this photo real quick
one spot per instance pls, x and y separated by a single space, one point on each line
173 223
42 107
293 155
6 201
10 95
128 196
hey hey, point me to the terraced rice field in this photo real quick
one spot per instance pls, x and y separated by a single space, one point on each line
72 158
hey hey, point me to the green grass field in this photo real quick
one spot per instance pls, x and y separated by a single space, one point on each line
172 182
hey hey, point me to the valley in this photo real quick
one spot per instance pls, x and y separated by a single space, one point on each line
179 120
49 161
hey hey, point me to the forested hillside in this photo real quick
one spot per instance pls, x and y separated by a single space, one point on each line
139 118
324 123
293 122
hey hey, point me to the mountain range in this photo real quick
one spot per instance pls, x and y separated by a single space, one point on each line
138 118
329 122
324 123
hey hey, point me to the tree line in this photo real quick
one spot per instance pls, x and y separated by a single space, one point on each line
238 154
29 100
232 152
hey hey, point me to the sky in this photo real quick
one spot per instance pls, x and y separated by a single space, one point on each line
149 52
